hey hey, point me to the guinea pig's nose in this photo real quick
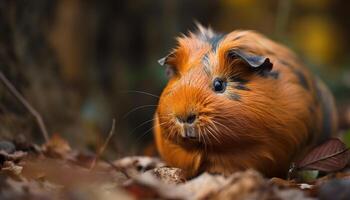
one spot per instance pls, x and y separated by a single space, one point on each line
189 119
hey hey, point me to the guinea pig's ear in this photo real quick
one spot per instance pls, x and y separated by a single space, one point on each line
170 70
163 61
256 62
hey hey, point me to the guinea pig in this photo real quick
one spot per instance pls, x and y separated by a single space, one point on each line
237 101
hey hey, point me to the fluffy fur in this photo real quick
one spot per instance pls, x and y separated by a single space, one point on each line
262 120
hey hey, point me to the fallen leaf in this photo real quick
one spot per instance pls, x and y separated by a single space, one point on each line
283 183
23 144
12 170
7 146
329 177
168 175
57 147
288 194
141 191
292 184
335 189
135 165
16 156
243 185
203 186
330 156
27 190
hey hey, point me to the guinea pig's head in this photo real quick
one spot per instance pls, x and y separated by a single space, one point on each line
217 93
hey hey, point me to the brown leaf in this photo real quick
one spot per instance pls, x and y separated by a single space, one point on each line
335 189
135 165
330 156
169 175
16 156
12 170
330 177
141 191
283 183
7 146
243 185
56 147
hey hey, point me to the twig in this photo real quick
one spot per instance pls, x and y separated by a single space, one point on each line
119 169
103 147
26 104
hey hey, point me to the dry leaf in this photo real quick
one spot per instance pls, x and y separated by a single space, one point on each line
244 185
330 156
168 175
16 156
135 165
330 177
56 147
283 183
12 170
7 146
203 186
335 189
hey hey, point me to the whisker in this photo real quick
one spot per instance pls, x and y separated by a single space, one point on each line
209 133
145 133
222 125
229 130
172 132
199 134
143 123
208 142
137 108
204 141
210 129
214 125
205 135
141 92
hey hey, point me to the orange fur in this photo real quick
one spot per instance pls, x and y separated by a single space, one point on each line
273 123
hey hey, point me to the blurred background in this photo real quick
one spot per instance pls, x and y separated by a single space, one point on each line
80 63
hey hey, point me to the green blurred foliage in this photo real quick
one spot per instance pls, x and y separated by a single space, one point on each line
346 138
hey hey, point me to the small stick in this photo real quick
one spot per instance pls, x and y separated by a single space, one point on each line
119 169
26 104
103 147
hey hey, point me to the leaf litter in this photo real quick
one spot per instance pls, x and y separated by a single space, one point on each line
333 155
57 171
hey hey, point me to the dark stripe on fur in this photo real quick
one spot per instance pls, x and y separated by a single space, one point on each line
285 63
241 87
215 41
271 74
238 79
235 96
302 79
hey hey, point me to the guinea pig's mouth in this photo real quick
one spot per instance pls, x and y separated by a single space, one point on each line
188 132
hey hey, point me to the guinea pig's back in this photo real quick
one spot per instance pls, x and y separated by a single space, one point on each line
320 101
326 108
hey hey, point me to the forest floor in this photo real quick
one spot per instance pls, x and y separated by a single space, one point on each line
55 170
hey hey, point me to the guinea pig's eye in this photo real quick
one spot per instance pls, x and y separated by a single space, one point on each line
170 71
219 85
